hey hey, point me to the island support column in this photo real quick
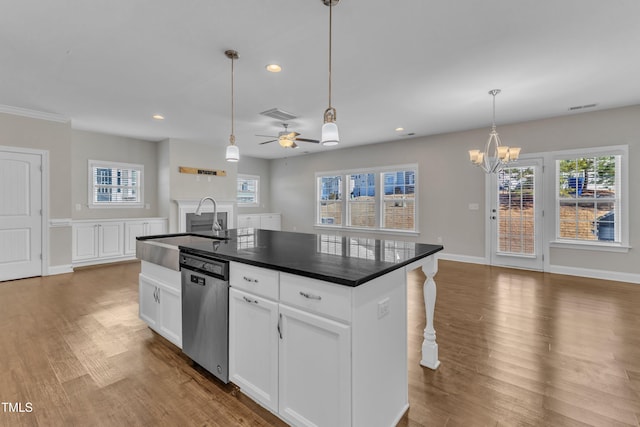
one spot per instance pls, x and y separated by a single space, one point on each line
429 267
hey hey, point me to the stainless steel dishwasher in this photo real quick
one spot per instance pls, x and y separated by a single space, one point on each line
205 312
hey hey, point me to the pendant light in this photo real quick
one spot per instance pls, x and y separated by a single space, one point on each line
495 155
233 154
329 128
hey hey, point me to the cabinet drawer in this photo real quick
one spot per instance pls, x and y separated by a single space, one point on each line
259 281
316 296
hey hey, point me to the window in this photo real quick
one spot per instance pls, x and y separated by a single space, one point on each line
376 199
330 199
248 190
115 185
589 196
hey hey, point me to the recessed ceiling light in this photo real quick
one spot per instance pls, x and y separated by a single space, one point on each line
158 117
399 129
273 68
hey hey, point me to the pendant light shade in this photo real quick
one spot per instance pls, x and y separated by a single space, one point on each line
232 153
330 134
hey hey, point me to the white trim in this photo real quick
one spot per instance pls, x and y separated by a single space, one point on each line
186 206
367 230
463 258
595 274
257 192
379 198
24 112
114 165
44 200
555 269
622 178
589 246
60 222
59 269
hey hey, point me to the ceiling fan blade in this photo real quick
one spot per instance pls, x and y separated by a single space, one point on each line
266 142
315 141
267 136
294 145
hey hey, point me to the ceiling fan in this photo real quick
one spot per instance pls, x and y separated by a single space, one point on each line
287 139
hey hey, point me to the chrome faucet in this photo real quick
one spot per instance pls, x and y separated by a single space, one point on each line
215 227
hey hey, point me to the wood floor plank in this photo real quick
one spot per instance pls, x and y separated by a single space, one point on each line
518 348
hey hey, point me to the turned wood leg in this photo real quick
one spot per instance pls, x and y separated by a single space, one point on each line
429 345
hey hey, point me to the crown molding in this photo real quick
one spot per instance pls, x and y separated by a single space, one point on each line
17 111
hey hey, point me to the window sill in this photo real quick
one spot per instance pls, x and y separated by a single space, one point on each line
367 230
119 206
590 246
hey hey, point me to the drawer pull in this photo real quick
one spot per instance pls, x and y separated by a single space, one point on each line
249 279
310 296
249 300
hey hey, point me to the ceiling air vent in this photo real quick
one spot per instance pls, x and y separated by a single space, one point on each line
279 114
580 107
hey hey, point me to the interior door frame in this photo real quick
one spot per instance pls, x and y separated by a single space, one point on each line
44 202
490 197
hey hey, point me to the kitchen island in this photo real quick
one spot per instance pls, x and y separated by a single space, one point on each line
318 323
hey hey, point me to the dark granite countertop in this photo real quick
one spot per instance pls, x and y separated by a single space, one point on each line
349 261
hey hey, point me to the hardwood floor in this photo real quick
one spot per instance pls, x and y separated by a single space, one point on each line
517 348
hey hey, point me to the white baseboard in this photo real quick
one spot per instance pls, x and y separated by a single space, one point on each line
556 269
595 274
98 261
461 258
59 269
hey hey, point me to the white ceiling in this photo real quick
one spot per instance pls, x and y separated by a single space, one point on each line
425 65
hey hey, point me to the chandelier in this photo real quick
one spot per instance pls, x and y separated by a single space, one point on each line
495 155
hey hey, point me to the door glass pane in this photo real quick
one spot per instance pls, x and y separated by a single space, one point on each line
516 211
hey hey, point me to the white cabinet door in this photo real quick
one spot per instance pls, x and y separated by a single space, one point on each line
270 222
85 241
148 300
155 226
253 346
170 318
314 369
132 229
110 239
248 221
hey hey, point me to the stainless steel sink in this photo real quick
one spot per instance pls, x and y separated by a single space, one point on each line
164 250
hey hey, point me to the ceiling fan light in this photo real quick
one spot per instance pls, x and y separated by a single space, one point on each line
285 142
330 134
233 153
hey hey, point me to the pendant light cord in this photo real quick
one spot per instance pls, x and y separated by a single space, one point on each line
232 104
330 27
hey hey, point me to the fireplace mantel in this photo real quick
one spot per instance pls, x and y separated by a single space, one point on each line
186 206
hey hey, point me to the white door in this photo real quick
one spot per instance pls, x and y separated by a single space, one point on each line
515 216
110 239
314 370
20 215
253 346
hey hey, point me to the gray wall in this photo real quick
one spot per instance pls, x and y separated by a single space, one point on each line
18 131
261 168
87 146
448 183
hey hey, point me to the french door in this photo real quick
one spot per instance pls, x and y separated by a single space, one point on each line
516 215
20 214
